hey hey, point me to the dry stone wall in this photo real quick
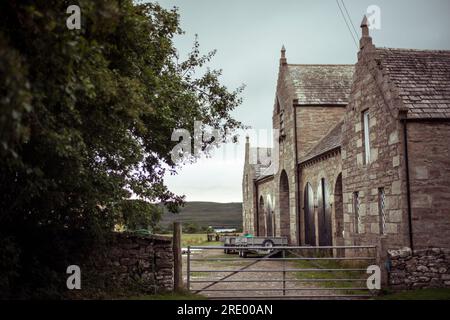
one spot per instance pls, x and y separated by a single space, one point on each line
128 264
425 268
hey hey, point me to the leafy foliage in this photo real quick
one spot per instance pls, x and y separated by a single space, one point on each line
87 115
139 214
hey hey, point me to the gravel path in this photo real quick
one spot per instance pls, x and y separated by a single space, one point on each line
263 288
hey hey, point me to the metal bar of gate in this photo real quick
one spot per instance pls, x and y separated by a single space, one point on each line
284 247
188 265
281 270
287 259
281 280
325 296
289 289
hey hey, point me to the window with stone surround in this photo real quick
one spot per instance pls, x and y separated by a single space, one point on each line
366 135
356 206
382 210
282 133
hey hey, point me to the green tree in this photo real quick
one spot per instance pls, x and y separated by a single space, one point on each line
191 227
87 115
139 214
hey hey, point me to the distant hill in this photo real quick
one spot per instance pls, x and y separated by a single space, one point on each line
207 214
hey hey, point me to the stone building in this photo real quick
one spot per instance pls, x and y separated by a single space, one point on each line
361 155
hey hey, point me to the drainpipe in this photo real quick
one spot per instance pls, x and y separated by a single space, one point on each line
255 186
403 118
297 172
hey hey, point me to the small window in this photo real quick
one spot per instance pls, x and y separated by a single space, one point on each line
366 136
382 210
356 205
282 133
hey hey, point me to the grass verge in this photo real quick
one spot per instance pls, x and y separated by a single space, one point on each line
418 294
195 239
184 295
333 276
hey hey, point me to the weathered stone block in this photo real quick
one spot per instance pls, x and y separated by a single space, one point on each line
395 161
395 215
396 187
420 172
393 138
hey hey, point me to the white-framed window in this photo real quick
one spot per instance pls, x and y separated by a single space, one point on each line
366 136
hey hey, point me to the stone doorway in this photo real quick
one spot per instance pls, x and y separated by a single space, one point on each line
284 207
261 217
308 207
339 211
324 214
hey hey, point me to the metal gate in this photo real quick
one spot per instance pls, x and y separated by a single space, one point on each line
290 272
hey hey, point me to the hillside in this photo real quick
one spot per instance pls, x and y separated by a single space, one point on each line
207 214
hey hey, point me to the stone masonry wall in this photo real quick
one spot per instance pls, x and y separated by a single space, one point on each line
426 268
285 101
372 92
129 263
429 167
248 194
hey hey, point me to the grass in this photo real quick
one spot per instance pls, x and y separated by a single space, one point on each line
418 294
199 274
342 274
195 239
171 296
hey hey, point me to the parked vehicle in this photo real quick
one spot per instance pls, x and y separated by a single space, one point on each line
243 244
229 241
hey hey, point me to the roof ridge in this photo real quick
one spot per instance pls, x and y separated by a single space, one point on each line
413 50
321 64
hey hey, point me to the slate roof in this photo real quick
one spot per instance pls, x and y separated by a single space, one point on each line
330 141
320 84
266 171
422 78
261 160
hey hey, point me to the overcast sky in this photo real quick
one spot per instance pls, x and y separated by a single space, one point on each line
248 35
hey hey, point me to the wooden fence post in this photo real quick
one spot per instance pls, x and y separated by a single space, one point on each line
177 259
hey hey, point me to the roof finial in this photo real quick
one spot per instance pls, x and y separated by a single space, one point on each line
365 39
365 27
283 59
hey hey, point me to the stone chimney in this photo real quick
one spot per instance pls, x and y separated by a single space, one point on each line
365 40
283 60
